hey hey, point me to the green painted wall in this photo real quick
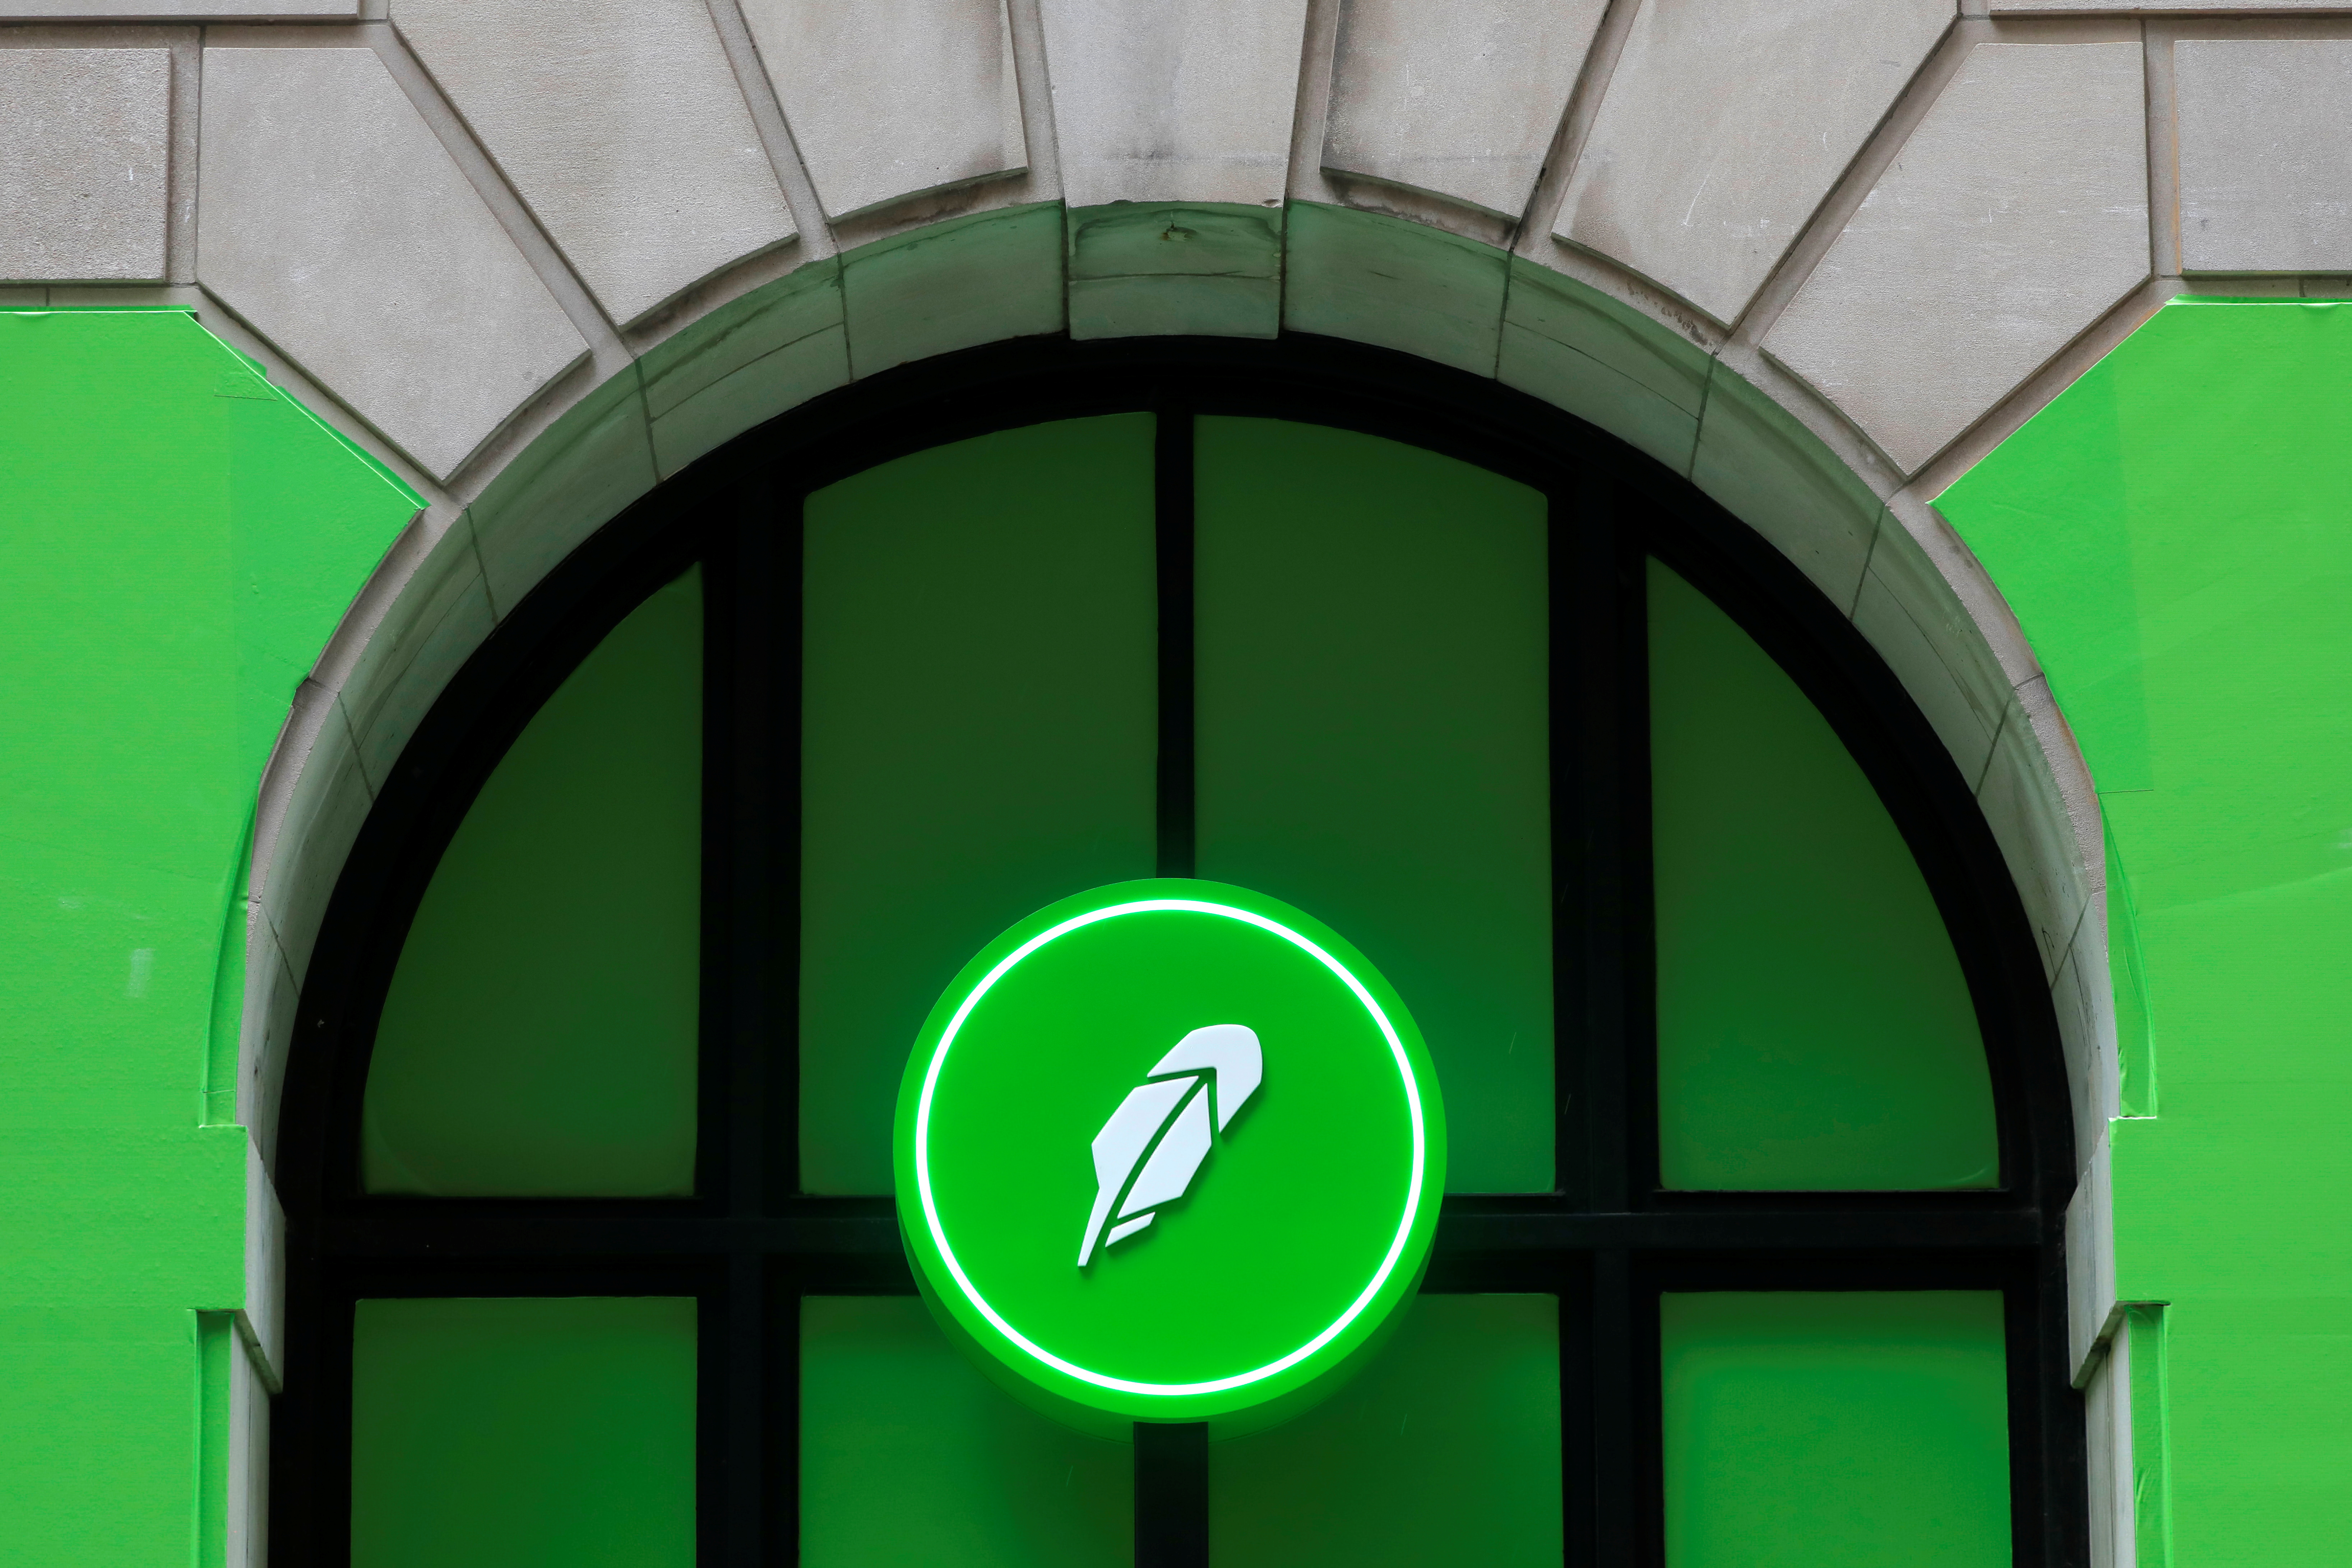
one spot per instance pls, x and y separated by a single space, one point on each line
179 542
2175 534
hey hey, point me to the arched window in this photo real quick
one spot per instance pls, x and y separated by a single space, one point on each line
1749 1253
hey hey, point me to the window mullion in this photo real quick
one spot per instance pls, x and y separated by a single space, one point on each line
1173 532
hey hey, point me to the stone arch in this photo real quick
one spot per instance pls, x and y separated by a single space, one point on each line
1766 452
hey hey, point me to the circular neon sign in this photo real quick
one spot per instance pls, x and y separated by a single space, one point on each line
1169 1150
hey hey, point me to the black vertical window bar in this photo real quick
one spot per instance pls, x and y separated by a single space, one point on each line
1172 1460
1172 546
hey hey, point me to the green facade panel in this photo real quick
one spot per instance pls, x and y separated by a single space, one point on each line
181 542
2173 535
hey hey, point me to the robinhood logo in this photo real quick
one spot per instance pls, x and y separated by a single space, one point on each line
1147 1153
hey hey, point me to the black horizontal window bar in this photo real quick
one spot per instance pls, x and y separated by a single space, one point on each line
463 1229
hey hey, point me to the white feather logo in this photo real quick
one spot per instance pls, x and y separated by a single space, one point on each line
1147 1153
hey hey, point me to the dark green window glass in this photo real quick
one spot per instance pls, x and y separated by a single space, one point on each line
1444 1451
539 1036
1814 1029
1372 672
979 737
1863 1429
1370 728
911 1459
529 1432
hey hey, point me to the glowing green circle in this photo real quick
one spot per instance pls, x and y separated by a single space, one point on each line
1169 1150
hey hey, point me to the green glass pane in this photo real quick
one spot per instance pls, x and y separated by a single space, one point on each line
1814 1030
539 1036
979 736
1445 1450
911 1459
1824 1430
523 1433
1374 745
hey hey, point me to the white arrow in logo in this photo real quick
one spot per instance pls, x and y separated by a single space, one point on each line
1167 1118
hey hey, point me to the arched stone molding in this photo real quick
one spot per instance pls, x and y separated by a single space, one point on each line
1755 445
1754 439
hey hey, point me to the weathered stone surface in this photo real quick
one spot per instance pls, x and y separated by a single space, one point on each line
1921 629
1399 284
621 124
2024 806
890 98
2265 155
1765 468
1461 100
85 160
1173 100
973 281
1138 270
1604 363
747 361
2014 216
2033 7
573 477
179 10
1724 127
334 222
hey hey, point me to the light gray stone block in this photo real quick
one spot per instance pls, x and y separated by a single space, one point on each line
442 615
2026 810
747 361
2157 8
245 1518
2014 216
2091 1302
1173 100
2265 153
1918 625
2082 995
890 98
774 383
1777 476
327 805
335 223
1604 363
1725 125
179 10
85 157
620 124
575 476
955 284
1138 270
1397 284
271 999
1461 100
262 1318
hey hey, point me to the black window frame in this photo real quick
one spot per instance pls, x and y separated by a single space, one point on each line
748 1247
